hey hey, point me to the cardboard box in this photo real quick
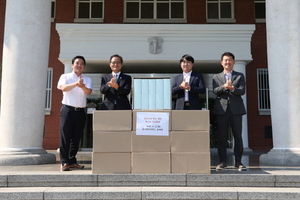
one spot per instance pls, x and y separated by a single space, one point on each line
112 120
190 141
159 111
118 142
111 163
151 163
190 163
192 120
145 143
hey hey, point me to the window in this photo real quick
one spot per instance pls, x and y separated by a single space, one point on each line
89 11
155 11
220 11
260 11
263 92
48 91
52 10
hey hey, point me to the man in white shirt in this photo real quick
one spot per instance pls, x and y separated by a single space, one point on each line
75 87
187 86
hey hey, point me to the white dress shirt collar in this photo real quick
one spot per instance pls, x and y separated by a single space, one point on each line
117 74
187 74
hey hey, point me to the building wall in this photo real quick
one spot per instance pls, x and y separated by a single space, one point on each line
51 138
196 14
256 122
113 11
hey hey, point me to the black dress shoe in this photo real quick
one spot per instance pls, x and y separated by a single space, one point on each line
65 167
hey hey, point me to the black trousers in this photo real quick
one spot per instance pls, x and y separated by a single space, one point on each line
186 105
235 122
72 124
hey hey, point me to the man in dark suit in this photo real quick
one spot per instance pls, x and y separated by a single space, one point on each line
116 86
188 86
229 86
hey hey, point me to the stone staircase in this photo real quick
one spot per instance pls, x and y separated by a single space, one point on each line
233 186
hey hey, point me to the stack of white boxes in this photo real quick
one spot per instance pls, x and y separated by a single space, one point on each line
117 149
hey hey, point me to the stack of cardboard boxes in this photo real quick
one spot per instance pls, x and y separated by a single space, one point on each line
112 134
117 149
150 154
190 150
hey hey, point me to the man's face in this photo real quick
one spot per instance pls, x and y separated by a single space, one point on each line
115 64
78 66
227 63
186 66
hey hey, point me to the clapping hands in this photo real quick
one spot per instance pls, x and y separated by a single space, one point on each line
79 82
228 85
112 82
184 85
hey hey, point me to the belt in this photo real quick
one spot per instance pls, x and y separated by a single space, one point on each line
187 103
74 108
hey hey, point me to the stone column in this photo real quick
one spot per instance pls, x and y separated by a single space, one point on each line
240 66
68 66
283 40
25 62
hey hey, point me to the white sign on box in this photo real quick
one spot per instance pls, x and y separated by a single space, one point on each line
152 123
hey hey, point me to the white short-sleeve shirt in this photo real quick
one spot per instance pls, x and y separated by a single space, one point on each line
75 97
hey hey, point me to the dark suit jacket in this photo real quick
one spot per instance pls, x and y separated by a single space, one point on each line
197 87
235 103
113 96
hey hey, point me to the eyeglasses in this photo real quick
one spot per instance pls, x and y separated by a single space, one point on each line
115 63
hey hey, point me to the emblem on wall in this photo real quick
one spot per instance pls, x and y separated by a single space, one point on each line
155 45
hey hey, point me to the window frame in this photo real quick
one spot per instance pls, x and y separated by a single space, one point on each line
221 20
54 10
259 20
48 100
155 20
263 93
86 20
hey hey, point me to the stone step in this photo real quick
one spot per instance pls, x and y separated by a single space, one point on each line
149 180
149 193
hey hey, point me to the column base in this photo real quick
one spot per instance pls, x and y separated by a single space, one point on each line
14 157
280 157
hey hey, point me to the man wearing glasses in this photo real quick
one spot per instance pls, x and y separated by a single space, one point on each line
116 86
